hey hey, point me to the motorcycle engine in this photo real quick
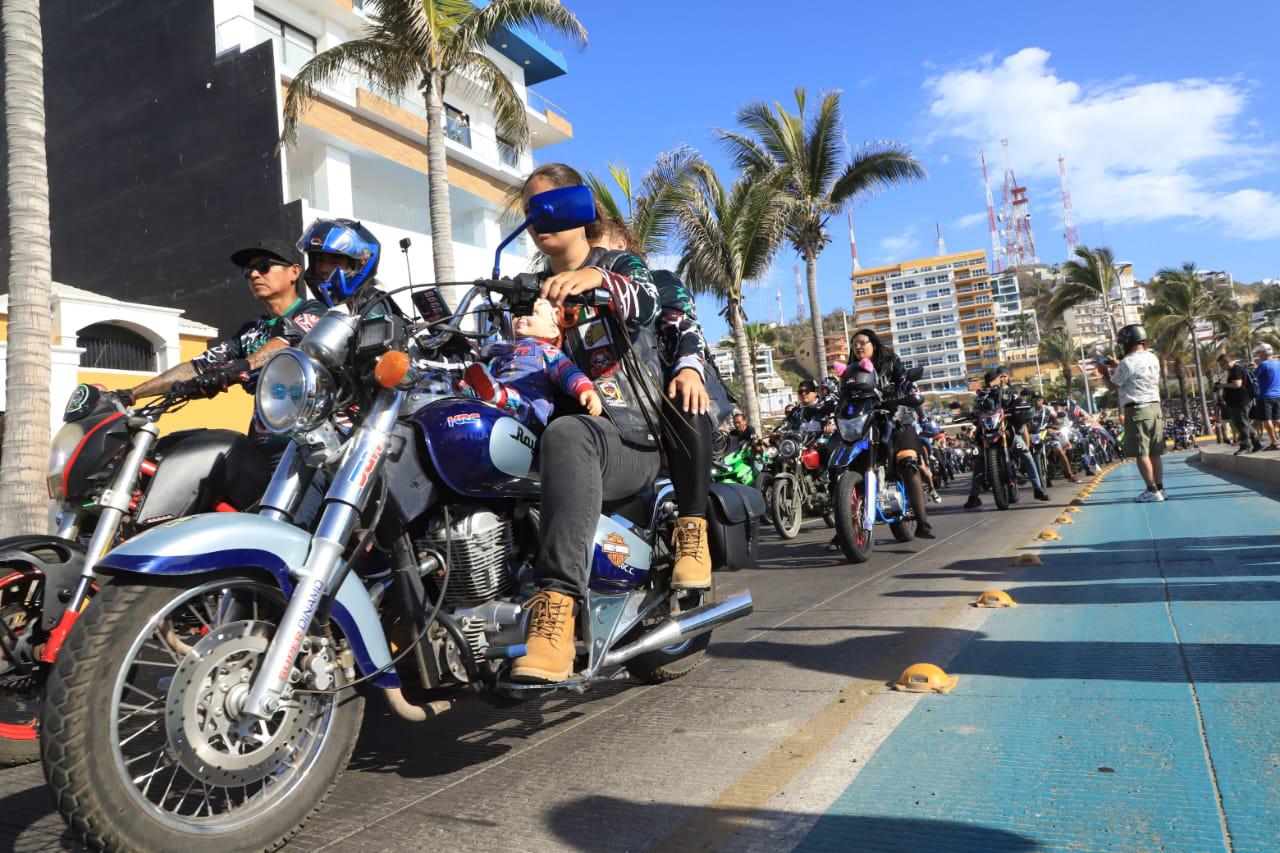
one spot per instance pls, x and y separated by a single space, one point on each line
479 547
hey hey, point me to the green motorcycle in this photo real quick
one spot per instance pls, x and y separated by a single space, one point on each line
743 466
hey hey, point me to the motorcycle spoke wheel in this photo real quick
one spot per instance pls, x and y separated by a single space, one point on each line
20 684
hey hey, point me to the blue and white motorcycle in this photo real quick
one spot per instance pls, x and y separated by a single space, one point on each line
211 697
867 475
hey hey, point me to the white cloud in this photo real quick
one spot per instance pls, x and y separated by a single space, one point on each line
1135 151
893 247
970 220
944 159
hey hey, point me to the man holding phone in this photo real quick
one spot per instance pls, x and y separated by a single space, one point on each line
1136 380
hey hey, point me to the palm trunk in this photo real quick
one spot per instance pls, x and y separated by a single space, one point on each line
438 181
1195 350
23 493
1182 391
746 365
815 318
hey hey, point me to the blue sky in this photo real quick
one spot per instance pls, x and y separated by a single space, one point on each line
1167 115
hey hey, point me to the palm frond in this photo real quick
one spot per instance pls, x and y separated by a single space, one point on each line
538 16
488 81
603 194
383 64
873 169
824 149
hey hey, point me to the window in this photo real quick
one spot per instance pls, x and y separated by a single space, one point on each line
915 336
862 291
899 312
508 153
986 327
108 347
953 358
293 46
934 306
952 345
938 333
913 309
457 125
899 299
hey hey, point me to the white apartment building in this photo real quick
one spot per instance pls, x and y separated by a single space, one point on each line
1008 304
774 393
363 156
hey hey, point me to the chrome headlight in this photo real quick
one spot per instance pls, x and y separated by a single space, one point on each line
61 450
329 340
788 448
294 393
851 429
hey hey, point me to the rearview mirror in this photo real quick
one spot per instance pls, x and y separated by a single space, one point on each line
549 212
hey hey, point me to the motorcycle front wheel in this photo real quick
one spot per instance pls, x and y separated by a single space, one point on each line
856 540
785 510
142 744
998 478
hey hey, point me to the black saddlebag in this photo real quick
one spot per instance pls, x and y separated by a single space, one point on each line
733 525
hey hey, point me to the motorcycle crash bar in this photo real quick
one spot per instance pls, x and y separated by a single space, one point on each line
684 626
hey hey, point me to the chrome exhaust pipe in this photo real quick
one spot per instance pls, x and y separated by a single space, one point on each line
684 626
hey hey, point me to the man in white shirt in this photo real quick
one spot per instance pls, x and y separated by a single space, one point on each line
1136 380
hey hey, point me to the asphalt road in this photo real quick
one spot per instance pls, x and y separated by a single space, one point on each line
744 753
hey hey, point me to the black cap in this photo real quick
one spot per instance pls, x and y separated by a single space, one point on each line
808 385
277 249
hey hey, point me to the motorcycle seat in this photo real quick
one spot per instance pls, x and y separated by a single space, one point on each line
637 508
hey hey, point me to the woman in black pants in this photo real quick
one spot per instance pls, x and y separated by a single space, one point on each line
906 443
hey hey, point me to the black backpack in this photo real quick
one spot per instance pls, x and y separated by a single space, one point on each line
1250 385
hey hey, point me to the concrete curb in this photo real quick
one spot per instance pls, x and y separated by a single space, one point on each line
1254 465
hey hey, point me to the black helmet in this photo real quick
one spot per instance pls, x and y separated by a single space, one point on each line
808 385
1131 335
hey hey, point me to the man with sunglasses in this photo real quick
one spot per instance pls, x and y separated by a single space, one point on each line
273 271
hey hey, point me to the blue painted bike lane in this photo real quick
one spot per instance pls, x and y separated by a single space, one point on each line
1128 703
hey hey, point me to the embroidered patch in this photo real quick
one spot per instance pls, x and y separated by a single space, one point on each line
595 334
600 362
611 391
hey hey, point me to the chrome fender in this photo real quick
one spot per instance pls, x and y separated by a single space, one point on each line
218 541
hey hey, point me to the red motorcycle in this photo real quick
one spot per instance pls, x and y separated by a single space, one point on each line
115 476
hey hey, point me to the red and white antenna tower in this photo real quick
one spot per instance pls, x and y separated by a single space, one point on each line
1019 241
853 244
997 251
1068 215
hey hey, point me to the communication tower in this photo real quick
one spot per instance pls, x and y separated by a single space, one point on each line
942 247
1015 213
1068 215
853 244
801 314
997 251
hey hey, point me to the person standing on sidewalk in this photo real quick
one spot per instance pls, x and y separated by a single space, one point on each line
1235 393
1267 375
1136 380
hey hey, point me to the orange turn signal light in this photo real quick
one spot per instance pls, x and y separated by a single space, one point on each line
392 368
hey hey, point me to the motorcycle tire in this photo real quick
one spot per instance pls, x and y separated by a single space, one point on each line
79 748
663 665
1046 470
828 519
785 510
855 540
903 531
999 478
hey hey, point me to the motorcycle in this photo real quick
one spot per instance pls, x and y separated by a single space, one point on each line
868 476
114 477
999 475
212 695
743 466
799 485
1183 439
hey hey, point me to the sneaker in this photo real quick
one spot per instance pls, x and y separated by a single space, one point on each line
1149 496
1240 451
549 648
1272 447
1163 496
973 503
1041 495
924 531
934 496
834 544
1073 479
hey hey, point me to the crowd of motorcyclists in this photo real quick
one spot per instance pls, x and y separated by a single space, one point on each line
598 377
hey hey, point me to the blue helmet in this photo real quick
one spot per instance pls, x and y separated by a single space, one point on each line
349 239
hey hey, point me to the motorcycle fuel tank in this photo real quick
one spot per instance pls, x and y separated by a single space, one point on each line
620 559
479 450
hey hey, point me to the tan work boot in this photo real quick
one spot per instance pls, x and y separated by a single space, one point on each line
549 650
693 558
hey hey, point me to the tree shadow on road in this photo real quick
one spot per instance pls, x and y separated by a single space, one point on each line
603 823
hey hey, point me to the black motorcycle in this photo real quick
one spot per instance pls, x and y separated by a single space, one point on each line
799 483
992 433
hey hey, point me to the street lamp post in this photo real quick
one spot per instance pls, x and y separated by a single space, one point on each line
1084 374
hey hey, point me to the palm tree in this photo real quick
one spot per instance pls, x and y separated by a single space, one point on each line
1089 277
23 493
808 149
729 237
1238 333
1175 352
1058 347
1182 302
648 209
430 45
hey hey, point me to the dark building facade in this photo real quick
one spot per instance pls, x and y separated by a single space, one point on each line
161 156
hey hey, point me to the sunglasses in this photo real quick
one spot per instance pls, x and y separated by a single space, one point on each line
261 267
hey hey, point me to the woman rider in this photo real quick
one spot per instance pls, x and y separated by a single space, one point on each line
905 441
588 460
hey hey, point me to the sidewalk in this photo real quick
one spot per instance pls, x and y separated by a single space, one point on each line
1263 466
1128 703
